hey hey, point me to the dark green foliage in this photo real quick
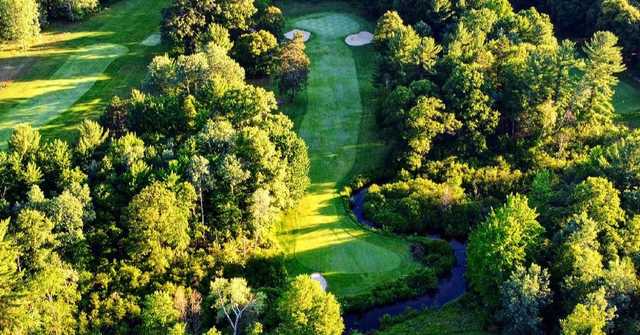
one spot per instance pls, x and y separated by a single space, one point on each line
420 205
418 283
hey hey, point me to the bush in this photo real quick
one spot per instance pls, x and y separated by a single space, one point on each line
19 20
435 254
420 206
418 283
69 10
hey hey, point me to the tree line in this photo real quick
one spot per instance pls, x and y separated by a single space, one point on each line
505 135
160 218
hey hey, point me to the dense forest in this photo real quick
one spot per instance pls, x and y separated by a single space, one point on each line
160 218
506 135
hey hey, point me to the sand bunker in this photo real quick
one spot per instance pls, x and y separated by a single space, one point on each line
320 279
305 34
152 40
359 39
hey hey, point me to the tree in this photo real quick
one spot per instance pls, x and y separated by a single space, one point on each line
235 299
600 200
199 173
159 224
255 52
505 240
422 124
293 70
159 315
604 61
305 308
590 317
19 21
523 297
271 19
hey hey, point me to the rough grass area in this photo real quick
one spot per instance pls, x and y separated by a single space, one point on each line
334 116
75 69
459 317
627 101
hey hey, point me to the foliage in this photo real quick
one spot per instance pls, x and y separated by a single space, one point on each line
19 21
523 297
590 317
505 240
293 70
306 309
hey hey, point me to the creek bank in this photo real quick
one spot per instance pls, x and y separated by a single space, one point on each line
449 288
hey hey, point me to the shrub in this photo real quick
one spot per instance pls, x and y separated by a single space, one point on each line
19 20
418 283
421 205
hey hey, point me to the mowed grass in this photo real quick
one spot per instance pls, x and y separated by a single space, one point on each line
72 72
334 116
627 101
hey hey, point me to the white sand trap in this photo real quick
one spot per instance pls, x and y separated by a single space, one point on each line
320 279
152 40
305 34
359 39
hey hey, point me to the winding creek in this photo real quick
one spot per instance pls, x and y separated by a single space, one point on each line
449 288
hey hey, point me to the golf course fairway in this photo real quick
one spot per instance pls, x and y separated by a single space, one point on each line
74 70
319 235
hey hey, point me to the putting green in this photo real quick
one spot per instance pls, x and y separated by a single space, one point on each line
43 100
319 235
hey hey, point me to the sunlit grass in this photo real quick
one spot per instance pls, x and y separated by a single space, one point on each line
72 72
334 116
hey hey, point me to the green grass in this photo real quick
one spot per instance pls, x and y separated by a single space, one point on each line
627 101
458 317
75 69
334 116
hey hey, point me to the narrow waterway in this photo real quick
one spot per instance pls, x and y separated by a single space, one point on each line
449 289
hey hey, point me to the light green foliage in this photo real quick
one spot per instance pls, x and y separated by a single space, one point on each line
589 317
423 123
505 240
604 61
92 135
159 315
523 297
235 300
216 35
159 225
600 201
306 309
19 21
579 263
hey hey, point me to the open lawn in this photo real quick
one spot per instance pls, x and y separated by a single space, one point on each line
75 69
334 116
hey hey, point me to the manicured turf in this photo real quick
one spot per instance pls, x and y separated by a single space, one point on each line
459 317
627 101
75 69
334 117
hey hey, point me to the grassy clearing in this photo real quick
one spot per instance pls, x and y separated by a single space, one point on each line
334 116
75 69
627 101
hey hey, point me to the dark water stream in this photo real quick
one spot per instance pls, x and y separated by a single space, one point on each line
449 288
